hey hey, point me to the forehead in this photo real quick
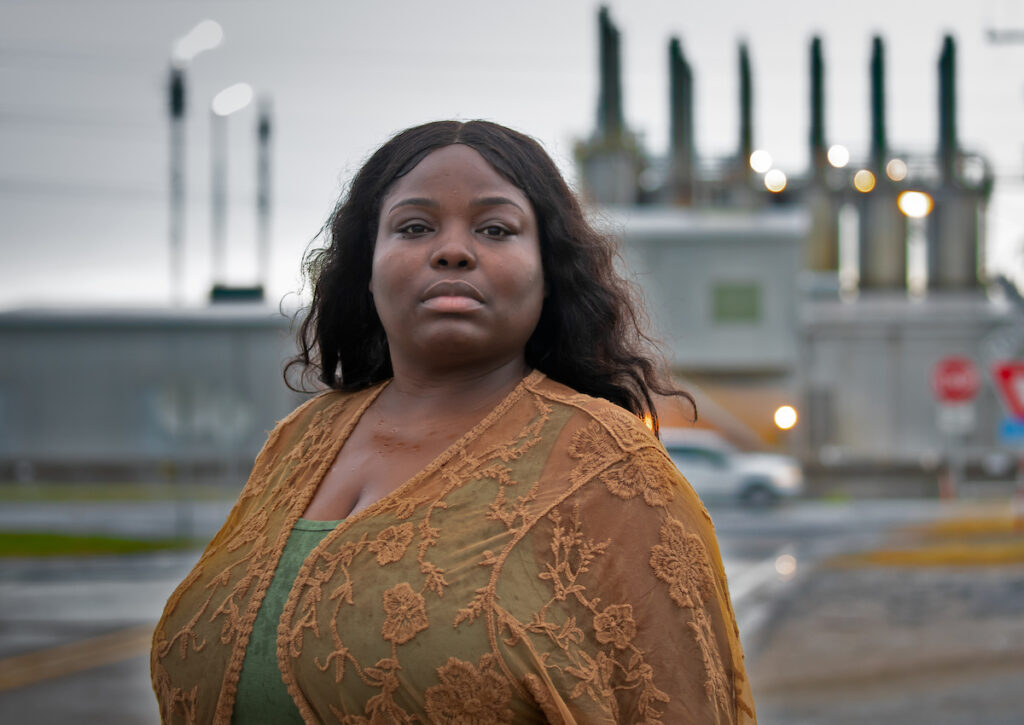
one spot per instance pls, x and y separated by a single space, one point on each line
456 168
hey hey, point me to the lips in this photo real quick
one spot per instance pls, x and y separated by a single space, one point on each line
452 288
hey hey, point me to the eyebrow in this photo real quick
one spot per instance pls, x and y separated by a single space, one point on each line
433 204
495 201
416 201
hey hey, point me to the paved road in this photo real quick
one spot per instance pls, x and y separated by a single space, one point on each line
141 519
105 604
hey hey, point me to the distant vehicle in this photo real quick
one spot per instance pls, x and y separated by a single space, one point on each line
717 470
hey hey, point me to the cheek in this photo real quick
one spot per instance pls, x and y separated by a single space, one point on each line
380 273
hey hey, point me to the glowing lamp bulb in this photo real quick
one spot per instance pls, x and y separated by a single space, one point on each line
915 204
785 417
775 181
864 181
760 161
896 169
838 155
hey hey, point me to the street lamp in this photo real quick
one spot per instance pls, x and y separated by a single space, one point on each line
229 101
207 35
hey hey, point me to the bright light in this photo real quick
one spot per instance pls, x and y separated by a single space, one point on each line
896 169
785 565
649 421
231 99
838 155
775 181
785 417
760 161
207 35
864 181
915 204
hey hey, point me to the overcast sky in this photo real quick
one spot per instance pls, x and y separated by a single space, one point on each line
84 133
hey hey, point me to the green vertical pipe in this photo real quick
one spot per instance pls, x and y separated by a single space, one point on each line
947 108
746 103
609 112
878 141
817 106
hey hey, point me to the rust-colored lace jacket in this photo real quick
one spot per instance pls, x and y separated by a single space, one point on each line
551 565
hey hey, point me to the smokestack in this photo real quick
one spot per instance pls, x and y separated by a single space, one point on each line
947 109
680 123
879 148
746 113
818 150
954 238
263 193
610 161
176 231
821 252
610 121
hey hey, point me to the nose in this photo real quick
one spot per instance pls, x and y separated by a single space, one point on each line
454 251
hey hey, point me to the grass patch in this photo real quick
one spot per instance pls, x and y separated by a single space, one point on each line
44 544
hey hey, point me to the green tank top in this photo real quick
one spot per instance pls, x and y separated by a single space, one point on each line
262 695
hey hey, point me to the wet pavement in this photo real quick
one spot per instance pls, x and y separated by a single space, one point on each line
825 644
915 646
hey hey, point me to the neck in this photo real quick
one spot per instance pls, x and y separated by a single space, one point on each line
452 392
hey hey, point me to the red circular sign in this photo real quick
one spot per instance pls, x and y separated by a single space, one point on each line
955 379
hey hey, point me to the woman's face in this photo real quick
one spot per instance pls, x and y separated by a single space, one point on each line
457 277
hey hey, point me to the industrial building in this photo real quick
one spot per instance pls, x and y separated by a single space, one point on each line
145 395
821 292
836 292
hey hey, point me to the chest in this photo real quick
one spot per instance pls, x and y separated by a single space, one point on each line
378 459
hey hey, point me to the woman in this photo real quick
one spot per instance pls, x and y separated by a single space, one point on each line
473 525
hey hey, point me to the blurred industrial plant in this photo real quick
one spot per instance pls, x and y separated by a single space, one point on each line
834 297
809 314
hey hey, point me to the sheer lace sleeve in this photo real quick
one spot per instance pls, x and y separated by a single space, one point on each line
617 610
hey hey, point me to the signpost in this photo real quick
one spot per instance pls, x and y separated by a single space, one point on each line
955 379
1009 377
955 383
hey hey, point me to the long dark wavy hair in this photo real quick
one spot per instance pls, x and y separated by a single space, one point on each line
590 335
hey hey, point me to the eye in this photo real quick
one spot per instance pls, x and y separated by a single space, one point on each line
495 231
413 229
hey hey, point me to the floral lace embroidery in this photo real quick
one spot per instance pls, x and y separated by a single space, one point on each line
594 449
643 474
610 447
602 674
391 543
469 695
407 614
616 625
236 571
716 686
681 561
174 700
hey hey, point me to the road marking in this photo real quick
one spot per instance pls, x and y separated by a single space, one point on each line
67 659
